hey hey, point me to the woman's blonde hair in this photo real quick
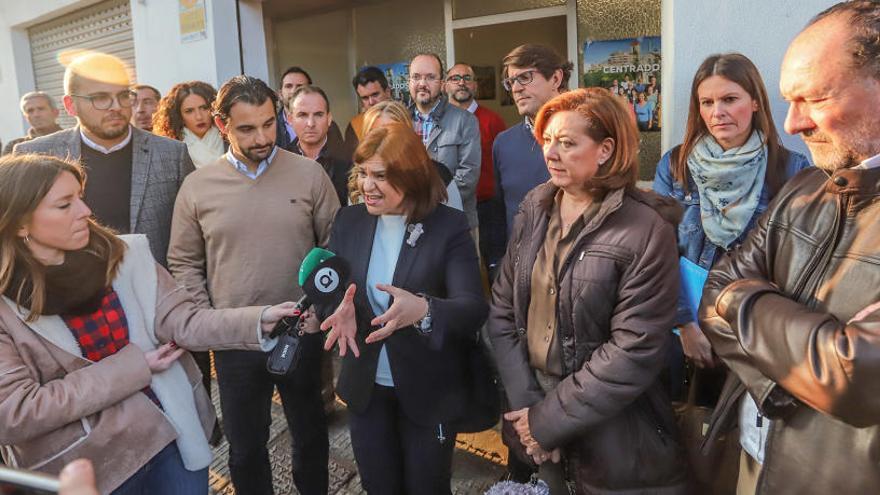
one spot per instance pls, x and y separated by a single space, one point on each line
24 182
392 109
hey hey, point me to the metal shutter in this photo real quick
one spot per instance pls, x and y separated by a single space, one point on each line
104 27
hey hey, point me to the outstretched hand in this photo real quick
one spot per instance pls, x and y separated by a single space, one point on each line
406 309
343 325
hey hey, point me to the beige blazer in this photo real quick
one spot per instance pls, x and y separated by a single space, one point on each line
57 406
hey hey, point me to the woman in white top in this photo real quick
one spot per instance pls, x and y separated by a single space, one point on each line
184 114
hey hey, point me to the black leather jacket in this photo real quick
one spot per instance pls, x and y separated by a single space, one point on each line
778 312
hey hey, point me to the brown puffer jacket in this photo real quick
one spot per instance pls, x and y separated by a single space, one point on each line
617 297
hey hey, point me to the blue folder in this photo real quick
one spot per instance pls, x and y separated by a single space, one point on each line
693 278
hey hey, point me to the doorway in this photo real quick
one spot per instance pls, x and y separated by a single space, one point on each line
484 47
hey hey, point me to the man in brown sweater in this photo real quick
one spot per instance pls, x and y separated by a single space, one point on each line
240 231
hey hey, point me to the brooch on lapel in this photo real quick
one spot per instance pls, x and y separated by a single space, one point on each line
415 231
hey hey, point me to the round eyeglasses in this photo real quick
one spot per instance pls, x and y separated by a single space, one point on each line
103 101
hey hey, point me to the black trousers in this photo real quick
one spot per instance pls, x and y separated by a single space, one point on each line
245 398
396 456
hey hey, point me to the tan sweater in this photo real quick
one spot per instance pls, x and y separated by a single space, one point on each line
236 241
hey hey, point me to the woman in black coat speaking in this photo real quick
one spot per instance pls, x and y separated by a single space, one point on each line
404 323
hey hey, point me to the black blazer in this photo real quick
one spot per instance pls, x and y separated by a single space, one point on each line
428 370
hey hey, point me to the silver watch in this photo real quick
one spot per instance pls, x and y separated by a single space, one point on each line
425 325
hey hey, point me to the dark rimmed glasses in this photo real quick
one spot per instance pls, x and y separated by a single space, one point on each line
523 78
459 78
103 101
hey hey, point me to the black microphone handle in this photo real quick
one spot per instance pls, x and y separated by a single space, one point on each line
290 323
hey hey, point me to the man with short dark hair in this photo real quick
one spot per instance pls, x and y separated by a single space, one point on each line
41 113
242 227
533 74
371 87
133 175
451 135
292 79
309 113
461 87
794 311
147 103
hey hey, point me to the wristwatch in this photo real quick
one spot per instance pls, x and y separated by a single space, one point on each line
424 326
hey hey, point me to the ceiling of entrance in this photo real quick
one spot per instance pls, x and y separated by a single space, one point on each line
287 9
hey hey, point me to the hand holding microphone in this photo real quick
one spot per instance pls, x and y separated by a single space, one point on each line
322 275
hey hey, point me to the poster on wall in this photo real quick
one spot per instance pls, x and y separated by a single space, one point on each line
193 23
398 80
485 77
630 69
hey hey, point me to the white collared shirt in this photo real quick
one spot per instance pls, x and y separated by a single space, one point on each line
97 147
872 162
241 167
473 106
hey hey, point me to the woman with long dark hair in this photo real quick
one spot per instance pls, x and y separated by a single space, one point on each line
724 174
184 114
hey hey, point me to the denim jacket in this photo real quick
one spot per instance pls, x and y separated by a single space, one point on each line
692 241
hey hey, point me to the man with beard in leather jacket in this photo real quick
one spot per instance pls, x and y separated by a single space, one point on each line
794 311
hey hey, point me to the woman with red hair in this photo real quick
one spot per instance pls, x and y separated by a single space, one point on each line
405 323
582 308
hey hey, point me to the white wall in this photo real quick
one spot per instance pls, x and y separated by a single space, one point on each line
759 29
16 70
161 59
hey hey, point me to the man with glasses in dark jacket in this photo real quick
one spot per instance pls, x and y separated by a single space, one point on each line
533 74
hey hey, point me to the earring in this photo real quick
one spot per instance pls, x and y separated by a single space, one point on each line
27 239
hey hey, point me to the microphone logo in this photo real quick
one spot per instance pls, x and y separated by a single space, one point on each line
326 280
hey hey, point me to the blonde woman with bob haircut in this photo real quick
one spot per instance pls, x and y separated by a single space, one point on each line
582 307
92 339
388 112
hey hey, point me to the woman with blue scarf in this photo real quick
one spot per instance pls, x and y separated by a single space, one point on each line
728 168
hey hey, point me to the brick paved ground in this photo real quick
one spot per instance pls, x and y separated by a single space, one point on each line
478 463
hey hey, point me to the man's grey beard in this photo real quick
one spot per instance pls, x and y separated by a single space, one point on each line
456 97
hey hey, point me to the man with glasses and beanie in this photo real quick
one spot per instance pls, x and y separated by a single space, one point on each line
461 86
451 135
533 74
133 175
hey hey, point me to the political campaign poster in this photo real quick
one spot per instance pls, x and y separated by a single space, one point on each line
630 69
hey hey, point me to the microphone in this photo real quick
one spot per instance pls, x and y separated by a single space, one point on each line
322 276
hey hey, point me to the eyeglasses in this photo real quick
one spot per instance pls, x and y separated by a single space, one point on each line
103 101
428 78
523 78
458 79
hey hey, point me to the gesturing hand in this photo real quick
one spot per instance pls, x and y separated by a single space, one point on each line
406 309
161 358
342 325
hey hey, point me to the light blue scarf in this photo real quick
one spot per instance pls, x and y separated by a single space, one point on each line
730 184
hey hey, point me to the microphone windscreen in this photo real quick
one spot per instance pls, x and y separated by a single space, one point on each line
329 279
310 263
